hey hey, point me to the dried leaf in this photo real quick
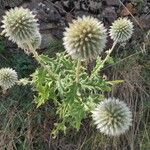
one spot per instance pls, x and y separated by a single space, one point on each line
129 9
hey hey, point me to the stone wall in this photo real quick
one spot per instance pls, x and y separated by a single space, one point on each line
54 15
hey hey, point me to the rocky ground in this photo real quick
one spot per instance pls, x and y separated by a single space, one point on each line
54 15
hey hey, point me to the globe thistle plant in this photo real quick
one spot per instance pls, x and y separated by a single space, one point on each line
35 42
19 24
8 78
121 30
112 117
85 38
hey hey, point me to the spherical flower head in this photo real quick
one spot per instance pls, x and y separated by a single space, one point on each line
121 30
112 117
8 78
85 38
35 42
19 24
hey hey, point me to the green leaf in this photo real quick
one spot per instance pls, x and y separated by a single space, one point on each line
97 67
72 101
115 82
110 60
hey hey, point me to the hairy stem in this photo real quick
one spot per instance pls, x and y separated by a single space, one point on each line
103 62
39 60
109 52
78 71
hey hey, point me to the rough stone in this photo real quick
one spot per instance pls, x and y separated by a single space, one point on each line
84 5
146 9
45 10
95 5
112 2
59 7
77 5
57 32
49 18
82 13
4 4
47 26
109 14
46 39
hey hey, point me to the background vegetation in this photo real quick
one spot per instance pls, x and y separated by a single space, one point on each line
23 127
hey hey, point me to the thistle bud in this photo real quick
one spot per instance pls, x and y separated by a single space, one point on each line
8 78
112 117
85 38
121 30
19 24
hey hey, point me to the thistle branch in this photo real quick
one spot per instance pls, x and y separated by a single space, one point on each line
103 62
39 60
108 53
78 70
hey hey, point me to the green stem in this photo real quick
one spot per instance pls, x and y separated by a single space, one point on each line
78 71
109 52
39 60
103 62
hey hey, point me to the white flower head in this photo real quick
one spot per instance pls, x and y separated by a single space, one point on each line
121 30
112 117
8 78
19 24
85 38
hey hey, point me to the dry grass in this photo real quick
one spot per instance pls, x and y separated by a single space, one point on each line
135 92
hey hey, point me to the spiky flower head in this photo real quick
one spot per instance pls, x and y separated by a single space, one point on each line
8 78
19 24
121 30
85 38
112 117
35 42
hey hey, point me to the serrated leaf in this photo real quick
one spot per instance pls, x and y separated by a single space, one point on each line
115 82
